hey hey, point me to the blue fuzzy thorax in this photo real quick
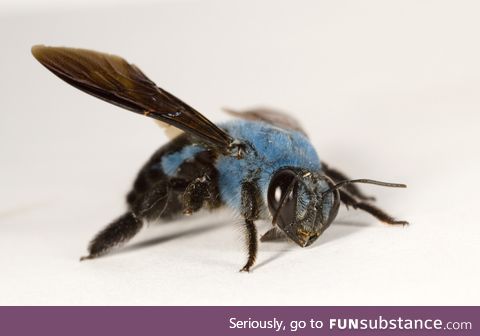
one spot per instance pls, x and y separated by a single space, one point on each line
269 148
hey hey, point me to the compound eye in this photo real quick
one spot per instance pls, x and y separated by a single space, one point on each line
283 182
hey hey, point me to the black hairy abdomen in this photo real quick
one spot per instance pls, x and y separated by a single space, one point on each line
152 182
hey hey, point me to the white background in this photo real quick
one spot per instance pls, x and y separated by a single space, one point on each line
386 90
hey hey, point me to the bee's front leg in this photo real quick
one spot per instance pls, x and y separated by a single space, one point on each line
250 211
274 234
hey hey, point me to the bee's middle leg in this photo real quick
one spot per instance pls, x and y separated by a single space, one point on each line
196 193
250 211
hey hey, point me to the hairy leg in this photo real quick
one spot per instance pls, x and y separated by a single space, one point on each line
116 233
250 197
196 193
349 200
151 204
338 176
252 245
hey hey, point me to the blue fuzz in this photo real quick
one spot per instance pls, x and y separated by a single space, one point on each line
171 162
268 149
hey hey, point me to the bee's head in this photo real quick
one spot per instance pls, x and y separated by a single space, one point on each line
302 203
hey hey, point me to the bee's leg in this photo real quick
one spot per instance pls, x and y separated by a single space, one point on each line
349 200
252 245
201 179
338 176
273 235
119 231
195 194
150 204
250 199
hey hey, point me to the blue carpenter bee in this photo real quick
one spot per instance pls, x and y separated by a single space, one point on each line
263 166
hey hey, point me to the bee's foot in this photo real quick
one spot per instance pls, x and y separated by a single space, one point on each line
87 257
402 223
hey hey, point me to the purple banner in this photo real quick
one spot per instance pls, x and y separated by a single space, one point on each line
214 321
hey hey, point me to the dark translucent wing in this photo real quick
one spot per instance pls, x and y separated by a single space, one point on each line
114 80
276 118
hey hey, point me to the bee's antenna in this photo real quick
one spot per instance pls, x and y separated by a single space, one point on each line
383 184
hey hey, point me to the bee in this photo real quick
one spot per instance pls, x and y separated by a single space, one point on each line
261 165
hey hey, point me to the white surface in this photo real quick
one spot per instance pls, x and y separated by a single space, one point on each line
386 91
23 6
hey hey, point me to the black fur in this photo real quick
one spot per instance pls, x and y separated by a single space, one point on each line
157 196
250 208
119 231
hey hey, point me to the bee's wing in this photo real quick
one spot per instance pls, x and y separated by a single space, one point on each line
276 118
114 80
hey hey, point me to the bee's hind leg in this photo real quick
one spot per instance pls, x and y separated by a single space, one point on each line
119 231
338 176
349 200
151 204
